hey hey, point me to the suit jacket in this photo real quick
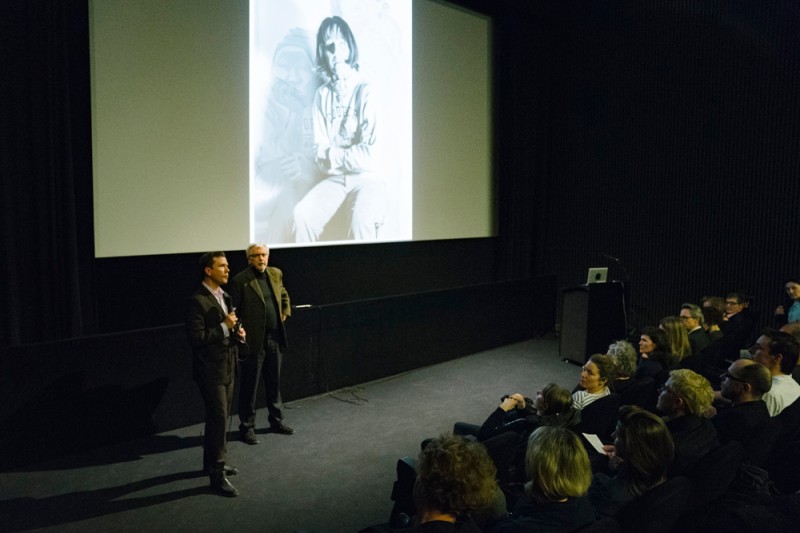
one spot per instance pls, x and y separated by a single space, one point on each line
251 303
214 359
698 339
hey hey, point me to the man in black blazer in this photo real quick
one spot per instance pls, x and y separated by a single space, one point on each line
262 304
214 334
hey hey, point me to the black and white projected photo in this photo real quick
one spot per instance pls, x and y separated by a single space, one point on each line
330 121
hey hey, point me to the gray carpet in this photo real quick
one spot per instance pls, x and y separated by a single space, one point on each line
335 474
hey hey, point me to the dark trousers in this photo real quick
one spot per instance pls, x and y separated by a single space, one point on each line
266 364
217 399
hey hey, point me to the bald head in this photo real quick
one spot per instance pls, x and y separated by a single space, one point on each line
745 381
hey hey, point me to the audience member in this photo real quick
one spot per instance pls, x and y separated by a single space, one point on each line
684 399
712 318
787 315
455 481
713 302
677 338
552 407
655 360
778 351
737 331
559 477
691 317
642 452
743 384
624 357
595 376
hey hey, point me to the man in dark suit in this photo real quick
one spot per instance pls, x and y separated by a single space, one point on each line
692 320
214 333
263 305
744 383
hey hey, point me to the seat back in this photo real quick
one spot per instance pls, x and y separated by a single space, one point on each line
641 393
713 474
657 510
761 442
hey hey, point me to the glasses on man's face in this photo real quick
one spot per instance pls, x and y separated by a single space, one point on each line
685 317
731 302
258 255
728 375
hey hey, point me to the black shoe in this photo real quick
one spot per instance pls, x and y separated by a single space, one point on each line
248 437
230 470
221 485
282 429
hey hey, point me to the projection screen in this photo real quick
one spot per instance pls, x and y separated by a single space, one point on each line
221 122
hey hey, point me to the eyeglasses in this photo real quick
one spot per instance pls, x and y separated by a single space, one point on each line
685 317
728 375
259 255
728 302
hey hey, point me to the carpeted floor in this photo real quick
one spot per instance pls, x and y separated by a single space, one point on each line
335 474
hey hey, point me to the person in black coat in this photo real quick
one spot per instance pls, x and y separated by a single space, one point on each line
744 383
214 333
685 399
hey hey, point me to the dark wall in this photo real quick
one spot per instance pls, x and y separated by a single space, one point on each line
664 134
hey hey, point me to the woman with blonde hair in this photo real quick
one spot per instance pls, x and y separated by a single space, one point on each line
559 476
677 338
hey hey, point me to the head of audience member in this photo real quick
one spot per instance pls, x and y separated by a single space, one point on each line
745 381
776 350
624 356
735 302
557 465
653 344
677 337
685 393
644 443
596 373
552 400
455 477
792 287
258 256
715 302
712 318
691 317
214 268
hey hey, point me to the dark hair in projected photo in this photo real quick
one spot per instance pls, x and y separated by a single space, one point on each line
328 27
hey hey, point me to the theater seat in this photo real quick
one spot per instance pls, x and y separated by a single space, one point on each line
657 510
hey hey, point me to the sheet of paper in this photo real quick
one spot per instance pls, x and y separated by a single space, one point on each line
594 440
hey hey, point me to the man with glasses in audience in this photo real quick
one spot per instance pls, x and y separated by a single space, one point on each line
737 331
743 384
692 320
778 352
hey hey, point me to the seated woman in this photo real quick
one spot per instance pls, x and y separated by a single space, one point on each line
455 485
655 358
712 318
677 338
641 454
787 315
552 407
555 495
684 399
624 357
505 432
595 376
